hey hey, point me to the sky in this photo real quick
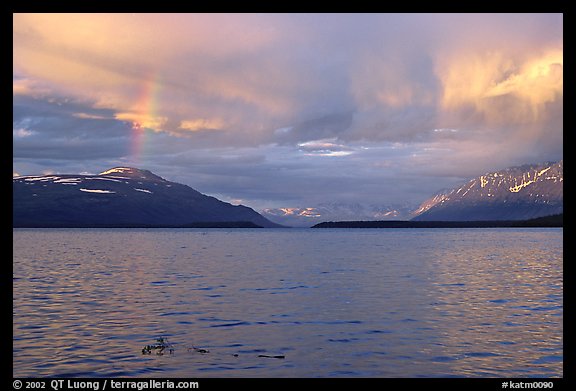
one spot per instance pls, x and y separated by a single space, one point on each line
289 110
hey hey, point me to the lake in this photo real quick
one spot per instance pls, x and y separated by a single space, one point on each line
332 302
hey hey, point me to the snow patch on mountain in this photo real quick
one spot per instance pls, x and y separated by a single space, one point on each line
97 191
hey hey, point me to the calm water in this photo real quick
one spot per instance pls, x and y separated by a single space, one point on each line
382 303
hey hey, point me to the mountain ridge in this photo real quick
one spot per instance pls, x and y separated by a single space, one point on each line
514 193
131 172
120 196
127 196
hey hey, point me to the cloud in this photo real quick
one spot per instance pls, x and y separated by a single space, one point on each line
346 100
89 116
22 132
198 124
325 147
51 128
328 126
271 71
486 81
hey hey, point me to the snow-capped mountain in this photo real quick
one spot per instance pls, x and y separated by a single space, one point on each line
515 193
338 211
121 196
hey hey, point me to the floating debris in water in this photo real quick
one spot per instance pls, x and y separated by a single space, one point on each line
199 350
160 347
269 356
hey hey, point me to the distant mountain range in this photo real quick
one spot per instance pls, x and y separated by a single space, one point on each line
336 211
131 197
516 193
121 197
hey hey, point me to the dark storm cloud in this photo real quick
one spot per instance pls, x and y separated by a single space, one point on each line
59 129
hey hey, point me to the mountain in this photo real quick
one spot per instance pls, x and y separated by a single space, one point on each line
121 197
336 211
516 193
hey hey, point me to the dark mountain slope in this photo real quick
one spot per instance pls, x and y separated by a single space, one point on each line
121 196
517 193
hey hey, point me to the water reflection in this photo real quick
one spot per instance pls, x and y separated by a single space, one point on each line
387 303
503 310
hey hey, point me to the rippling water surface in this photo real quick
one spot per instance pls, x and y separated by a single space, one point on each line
359 303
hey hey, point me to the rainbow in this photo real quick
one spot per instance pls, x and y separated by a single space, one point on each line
145 118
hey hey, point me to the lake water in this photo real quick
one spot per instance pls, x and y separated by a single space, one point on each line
349 303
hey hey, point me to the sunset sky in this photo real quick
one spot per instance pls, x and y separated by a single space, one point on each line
289 110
